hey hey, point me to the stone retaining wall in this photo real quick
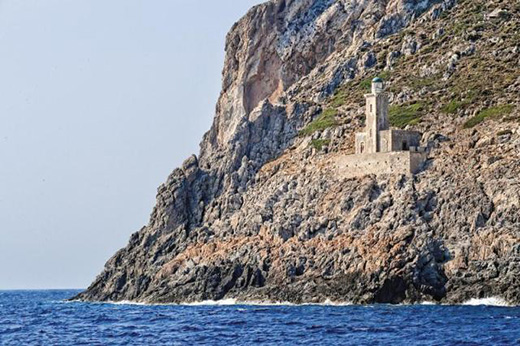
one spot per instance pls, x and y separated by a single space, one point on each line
400 162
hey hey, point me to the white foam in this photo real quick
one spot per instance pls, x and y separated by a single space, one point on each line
228 302
123 302
428 303
491 301
223 302
128 302
334 303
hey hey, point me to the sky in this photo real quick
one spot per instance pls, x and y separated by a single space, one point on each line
99 101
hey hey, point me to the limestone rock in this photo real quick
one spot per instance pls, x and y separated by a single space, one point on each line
260 214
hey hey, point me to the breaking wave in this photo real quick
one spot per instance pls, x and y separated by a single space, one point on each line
223 302
491 301
229 302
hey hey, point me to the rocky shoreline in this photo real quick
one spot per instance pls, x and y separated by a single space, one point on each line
260 215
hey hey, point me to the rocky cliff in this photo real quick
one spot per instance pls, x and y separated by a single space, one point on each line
261 215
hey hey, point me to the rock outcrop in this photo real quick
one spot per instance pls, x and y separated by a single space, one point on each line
260 213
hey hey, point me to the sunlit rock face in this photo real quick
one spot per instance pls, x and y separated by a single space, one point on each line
261 213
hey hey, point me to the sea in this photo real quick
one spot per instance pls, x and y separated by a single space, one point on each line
47 318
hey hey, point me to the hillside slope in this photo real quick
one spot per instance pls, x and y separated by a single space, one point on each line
261 215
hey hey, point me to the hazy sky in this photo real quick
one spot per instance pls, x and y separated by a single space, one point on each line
99 101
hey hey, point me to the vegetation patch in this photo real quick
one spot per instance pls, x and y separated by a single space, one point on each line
459 28
325 120
318 144
465 99
366 84
419 83
452 107
455 105
493 112
404 115
339 98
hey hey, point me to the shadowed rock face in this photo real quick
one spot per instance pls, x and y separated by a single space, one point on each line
261 215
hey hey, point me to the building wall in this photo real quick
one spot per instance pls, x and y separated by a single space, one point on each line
417 160
376 120
371 124
398 137
361 143
402 162
382 111
385 141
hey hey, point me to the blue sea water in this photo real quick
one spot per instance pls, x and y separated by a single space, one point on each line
44 318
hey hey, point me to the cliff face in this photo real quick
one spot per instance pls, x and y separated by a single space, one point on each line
261 214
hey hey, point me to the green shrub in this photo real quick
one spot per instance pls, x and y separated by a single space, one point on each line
493 112
465 99
452 107
366 84
427 49
318 144
402 116
325 120
339 98
385 75
459 27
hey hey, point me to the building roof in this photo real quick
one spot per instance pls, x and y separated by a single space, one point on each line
377 80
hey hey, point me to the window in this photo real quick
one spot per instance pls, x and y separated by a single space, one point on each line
405 145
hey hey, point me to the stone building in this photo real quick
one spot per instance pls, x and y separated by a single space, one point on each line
381 150
378 137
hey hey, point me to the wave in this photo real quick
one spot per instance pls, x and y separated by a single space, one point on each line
227 302
123 302
129 302
428 303
223 302
491 301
